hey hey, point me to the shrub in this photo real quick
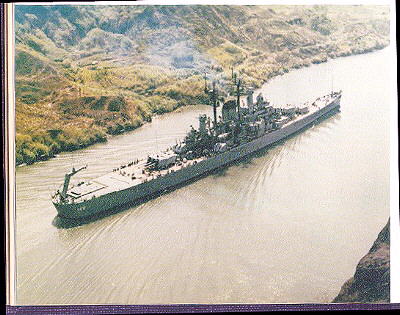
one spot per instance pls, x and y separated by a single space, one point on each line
22 141
143 112
88 99
19 158
99 104
40 150
28 156
232 50
29 99
116 104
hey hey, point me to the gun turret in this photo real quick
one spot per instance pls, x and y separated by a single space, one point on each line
68 178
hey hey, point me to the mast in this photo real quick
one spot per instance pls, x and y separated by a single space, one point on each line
237 89
214 101
238 97
213 94
205 83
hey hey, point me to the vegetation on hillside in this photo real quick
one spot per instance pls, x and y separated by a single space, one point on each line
85 72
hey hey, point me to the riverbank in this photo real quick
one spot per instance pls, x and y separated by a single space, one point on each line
47 144
110 78
371 281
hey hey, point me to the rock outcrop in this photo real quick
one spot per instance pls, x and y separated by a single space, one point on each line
371 281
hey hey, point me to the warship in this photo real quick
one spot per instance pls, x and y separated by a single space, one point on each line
241 131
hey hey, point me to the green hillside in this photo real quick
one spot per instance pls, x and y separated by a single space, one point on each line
85 72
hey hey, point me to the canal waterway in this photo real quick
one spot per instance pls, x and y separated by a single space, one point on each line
287 225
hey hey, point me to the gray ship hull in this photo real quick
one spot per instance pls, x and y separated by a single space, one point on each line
156 186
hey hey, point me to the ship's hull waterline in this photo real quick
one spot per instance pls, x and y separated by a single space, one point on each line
158 185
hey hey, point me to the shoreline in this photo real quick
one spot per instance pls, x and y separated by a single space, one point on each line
262 82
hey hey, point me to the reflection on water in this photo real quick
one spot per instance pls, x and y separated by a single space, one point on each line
288 224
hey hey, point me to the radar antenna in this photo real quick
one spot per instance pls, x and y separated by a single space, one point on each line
205 83
214 100
238 89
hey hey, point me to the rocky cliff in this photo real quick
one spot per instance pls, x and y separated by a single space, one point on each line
371 281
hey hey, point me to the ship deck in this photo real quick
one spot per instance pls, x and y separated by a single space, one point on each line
122 179
134 174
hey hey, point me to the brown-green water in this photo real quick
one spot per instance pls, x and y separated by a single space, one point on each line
288 225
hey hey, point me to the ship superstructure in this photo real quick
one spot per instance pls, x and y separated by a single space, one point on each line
240 131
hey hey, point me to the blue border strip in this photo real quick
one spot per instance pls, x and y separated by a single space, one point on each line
191 308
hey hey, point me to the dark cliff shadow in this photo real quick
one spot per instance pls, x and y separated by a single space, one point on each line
371 280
